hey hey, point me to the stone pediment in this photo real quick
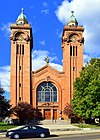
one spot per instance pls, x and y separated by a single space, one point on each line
46 69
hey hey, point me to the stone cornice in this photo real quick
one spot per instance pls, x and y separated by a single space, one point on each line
77 28
25 26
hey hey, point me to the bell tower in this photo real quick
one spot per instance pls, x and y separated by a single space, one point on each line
21 48
72 45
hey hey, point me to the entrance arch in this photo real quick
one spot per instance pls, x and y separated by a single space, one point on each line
47 99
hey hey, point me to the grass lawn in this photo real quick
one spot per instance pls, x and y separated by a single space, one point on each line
5 126
83 125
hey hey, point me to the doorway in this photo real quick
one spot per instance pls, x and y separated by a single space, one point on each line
47 114
55 114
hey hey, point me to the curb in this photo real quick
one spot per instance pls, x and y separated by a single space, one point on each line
63 133
64 129
81 132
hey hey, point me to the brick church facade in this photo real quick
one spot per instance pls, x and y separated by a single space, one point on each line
47 89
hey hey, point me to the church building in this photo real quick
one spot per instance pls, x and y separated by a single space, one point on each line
46 89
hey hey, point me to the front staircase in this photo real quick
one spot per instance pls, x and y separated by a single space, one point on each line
56 125
50 122
58 122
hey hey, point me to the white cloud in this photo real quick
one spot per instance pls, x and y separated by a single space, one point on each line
5 77
45 11
88 14
63 11
38 57
45 4
42 42
59 33
32 6
57 66
6 29
86 58
38 60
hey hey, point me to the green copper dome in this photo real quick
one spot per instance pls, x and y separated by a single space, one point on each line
72 20
21 18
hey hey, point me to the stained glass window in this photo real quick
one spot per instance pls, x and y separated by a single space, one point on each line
47 92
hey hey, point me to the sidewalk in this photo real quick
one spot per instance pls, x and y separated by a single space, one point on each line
68 129
76 132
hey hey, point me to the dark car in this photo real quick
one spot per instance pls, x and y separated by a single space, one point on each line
28 131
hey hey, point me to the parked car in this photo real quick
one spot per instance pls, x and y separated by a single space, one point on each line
28 131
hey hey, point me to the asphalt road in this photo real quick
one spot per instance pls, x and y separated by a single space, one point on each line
95 136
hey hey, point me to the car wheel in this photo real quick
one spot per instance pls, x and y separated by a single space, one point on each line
42 135
16 136
10 137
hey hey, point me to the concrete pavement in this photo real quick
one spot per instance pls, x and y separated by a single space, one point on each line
69 129
76 132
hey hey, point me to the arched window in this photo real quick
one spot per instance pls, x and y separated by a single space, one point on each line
47 92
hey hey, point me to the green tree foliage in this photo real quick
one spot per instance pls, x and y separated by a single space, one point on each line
4 105
24 111
86 101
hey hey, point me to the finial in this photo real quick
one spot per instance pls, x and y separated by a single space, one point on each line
22 10
47 59
72 12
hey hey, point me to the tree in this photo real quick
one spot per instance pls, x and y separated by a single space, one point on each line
69 111
86 101
4 105
24 111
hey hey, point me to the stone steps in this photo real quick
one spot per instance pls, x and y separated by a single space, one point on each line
49 122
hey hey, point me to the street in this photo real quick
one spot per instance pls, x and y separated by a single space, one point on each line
95 136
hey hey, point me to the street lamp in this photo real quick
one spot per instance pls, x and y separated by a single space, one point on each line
60 112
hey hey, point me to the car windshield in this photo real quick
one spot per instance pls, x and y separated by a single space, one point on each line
28 127
38 127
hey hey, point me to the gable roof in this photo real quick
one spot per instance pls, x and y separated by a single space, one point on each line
46 68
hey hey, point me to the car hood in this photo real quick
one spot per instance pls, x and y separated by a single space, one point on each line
16 128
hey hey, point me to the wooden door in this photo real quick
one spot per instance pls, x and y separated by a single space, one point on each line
47 114
55 114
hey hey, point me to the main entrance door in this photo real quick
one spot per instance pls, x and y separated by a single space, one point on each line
47 114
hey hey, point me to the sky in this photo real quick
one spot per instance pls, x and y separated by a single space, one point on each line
47 18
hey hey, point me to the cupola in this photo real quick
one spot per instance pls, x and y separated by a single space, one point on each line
21 18
72 20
